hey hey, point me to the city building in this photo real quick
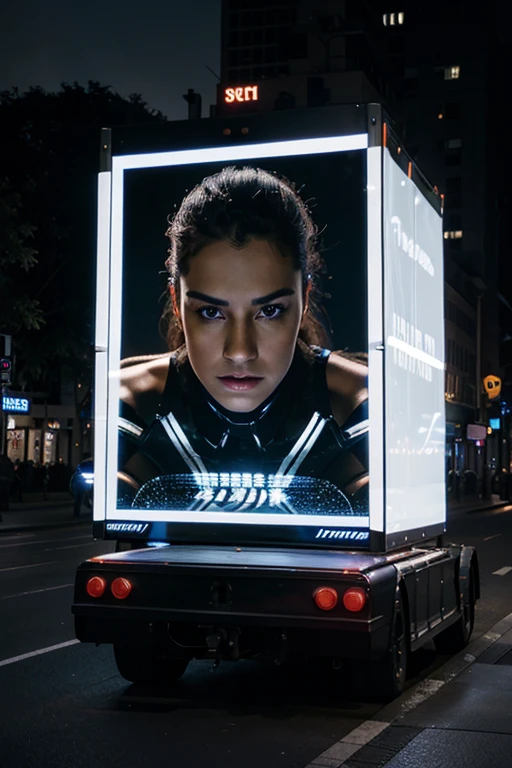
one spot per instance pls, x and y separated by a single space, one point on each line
430 65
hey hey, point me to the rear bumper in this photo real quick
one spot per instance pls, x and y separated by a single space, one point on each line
262 604
257 637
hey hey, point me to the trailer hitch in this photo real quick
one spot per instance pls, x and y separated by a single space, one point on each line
225 643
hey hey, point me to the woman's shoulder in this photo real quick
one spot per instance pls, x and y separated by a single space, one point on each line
347 382
142 378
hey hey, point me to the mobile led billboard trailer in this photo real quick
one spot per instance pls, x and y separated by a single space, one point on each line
243 334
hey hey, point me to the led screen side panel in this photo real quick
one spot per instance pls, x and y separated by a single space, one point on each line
197 458
101 345
414 362
375 340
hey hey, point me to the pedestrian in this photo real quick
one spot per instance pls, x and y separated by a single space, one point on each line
18 480
7 476
46 480
29 476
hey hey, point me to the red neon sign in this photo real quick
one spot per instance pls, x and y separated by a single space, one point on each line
241 93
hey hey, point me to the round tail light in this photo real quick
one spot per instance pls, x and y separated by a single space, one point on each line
121 588
354 599
96 586
325 598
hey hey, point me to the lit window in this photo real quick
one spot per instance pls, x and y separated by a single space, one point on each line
453 234
452 73
453 144
392 19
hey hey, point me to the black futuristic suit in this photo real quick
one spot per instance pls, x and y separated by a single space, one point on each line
290 441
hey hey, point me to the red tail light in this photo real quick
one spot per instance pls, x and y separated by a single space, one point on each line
121 588
325 598
354 599
96 586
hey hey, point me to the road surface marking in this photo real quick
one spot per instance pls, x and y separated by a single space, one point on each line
35 591
69 546
34 565
488 538
344 748
502 571
46 541
24 656
364 732
421 692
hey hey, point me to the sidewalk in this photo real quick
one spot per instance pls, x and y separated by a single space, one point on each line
460 717
476 505
36 513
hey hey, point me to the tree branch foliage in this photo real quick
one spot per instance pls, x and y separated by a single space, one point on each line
49 164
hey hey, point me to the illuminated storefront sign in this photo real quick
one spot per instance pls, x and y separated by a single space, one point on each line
492 385
476 432
241 94
12 404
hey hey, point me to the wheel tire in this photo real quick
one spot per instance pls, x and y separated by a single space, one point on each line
455 637
383 680
148 664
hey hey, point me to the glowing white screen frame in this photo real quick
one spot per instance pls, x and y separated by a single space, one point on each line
101 344
121 164
375 338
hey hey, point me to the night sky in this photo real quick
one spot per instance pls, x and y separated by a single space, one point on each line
157 48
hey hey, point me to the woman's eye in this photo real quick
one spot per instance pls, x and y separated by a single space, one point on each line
271 311
209 313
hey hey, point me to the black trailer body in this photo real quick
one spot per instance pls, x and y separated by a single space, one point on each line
267 512
225 603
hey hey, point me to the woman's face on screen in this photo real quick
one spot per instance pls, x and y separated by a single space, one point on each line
241 310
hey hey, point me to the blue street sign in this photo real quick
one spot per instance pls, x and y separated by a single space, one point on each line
11 404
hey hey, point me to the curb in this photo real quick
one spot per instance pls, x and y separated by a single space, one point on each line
448 672
371 743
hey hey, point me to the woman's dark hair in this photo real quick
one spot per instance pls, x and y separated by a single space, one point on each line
236 205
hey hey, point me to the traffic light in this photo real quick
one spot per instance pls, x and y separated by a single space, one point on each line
5 370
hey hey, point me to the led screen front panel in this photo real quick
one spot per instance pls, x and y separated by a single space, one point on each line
243 416
414 360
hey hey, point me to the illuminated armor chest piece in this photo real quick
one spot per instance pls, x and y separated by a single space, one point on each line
292 436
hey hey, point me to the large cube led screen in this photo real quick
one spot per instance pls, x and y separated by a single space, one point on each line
238 344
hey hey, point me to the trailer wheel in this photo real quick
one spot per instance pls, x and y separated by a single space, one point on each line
148 664
384 680
455 637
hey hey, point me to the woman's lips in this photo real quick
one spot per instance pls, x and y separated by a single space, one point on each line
240 383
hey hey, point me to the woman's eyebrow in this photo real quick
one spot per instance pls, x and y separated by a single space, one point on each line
274 295
209 299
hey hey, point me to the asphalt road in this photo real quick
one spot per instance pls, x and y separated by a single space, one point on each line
69 707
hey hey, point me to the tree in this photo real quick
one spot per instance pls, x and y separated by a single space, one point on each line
49 155
17 309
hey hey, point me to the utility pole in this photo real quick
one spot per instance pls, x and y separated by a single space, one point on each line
481 288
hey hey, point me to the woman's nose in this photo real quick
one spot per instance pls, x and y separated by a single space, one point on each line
240 342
